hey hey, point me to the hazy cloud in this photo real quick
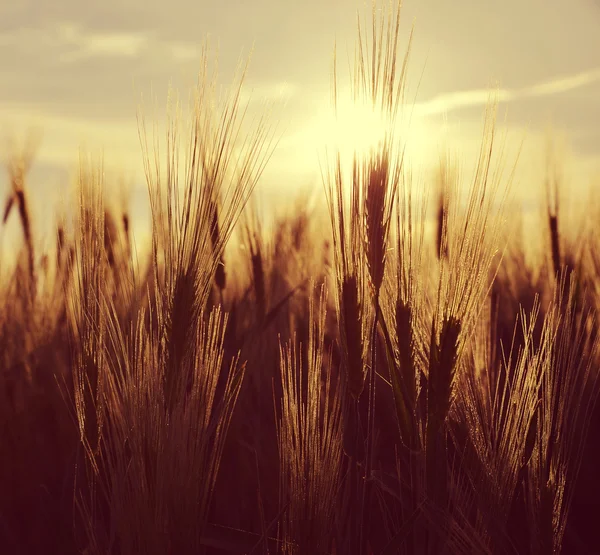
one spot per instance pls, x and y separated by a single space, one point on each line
565 84
448 102
81 45
480 97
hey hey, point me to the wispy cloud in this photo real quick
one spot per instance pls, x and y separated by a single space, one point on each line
83 44
64 135
184 51
448 102
566 84
69 42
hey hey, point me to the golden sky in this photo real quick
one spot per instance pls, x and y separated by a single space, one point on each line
77 70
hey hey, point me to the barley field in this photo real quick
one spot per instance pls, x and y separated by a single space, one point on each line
406 364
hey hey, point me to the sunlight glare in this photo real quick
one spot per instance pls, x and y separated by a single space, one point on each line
358 128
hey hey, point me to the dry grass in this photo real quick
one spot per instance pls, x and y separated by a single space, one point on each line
310 440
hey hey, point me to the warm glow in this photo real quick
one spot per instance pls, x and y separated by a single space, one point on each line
358 127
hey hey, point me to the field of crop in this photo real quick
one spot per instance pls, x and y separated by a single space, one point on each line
411 370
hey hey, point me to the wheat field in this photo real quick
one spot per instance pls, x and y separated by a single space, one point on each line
394 374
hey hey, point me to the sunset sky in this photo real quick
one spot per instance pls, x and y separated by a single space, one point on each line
77 71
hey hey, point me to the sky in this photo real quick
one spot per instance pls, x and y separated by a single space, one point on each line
77 71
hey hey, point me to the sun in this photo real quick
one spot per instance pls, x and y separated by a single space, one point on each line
355 129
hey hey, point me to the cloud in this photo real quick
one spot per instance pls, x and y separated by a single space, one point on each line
461 99
67 42
63 136
448 102
84 44
184 51
69 68
565 84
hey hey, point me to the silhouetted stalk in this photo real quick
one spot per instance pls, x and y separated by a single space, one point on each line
554 242
442 370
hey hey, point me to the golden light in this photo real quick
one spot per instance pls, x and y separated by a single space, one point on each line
356 128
